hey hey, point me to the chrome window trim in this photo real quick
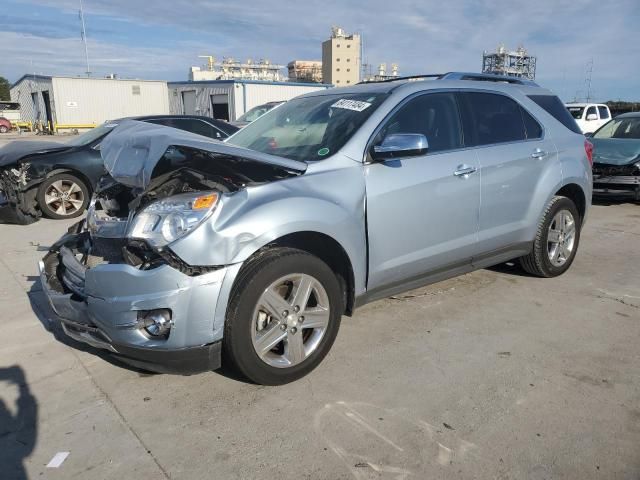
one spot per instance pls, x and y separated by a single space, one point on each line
365 158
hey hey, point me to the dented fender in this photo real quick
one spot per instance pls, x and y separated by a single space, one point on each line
251 218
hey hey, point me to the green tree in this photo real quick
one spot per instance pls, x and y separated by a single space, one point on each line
4 89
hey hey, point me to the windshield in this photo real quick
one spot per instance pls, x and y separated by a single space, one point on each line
255 113
576 112
309 128
92 135
620 128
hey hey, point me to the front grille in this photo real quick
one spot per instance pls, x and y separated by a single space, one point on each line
609 170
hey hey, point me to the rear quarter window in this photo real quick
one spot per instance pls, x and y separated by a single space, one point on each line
554 107
531 126
604 112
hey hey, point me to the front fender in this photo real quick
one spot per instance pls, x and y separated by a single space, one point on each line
331 203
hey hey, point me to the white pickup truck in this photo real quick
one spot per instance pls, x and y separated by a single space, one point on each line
589 116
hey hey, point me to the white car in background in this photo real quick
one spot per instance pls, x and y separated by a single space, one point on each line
589 116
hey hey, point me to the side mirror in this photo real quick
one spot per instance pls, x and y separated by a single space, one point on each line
588 134
592 116
401 145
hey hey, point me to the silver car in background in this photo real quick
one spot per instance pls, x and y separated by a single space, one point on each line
196 252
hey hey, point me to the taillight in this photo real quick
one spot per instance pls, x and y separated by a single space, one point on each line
588 149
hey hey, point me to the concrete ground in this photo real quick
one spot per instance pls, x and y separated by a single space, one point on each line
491 375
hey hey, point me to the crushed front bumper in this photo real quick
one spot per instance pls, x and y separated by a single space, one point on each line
10 213
617 185
99 306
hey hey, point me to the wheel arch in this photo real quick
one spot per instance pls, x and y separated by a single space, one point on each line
575 193
71 171
329 250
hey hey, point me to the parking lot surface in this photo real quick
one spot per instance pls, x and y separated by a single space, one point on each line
495 374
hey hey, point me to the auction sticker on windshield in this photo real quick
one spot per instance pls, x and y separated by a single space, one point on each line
355 105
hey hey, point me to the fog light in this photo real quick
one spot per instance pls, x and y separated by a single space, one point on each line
156 323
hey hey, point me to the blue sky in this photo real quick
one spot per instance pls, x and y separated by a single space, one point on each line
162 39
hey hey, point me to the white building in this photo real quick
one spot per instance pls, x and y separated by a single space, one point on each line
229 99
231 69
77 102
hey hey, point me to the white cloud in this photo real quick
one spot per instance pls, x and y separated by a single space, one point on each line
428 36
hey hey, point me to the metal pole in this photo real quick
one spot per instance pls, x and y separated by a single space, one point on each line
84 39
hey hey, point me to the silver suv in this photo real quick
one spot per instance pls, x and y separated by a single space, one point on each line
196 252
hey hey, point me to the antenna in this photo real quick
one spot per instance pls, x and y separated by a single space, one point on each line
83 35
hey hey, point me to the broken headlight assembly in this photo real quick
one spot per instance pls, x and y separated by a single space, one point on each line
164 221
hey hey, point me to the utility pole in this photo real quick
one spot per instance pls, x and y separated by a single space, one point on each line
83 34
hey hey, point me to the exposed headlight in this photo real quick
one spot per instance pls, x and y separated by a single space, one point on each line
171 218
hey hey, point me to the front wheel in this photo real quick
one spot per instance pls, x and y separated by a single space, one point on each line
283 316
4 129
63 196
557 239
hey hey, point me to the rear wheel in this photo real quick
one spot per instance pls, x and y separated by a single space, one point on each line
4 129
63 196
283 316
556 241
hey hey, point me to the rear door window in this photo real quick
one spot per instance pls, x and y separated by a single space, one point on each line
490 118
557 110
194 125
604 112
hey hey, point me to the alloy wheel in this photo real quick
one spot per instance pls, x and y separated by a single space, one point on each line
289 320
561 237
64 197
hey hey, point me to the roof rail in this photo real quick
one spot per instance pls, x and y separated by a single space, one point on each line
410 77
478 77
488 77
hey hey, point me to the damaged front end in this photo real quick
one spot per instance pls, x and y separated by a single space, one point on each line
20 178
617 179
17 195
114 279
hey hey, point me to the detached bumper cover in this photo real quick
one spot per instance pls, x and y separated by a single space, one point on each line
99 306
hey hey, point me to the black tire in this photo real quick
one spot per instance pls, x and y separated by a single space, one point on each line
252 281
49 211
537 262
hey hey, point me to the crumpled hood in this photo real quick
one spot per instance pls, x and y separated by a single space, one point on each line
14 151
132 150
615 151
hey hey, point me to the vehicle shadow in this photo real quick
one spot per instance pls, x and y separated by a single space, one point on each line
511 268
609 200
50 322
19 431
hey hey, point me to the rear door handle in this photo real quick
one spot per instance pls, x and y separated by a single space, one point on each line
538 153
464 171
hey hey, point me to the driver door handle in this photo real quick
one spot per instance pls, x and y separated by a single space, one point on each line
538 153
464 171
